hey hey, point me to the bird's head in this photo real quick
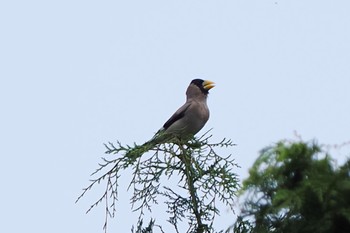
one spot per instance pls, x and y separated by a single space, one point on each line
199 87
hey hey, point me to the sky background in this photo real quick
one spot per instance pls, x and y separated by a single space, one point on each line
77 74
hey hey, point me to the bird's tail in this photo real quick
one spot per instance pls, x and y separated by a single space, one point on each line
136 152
159 138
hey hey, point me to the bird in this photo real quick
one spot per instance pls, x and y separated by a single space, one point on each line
191 117
187 121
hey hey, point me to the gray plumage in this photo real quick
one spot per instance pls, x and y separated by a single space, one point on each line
188 120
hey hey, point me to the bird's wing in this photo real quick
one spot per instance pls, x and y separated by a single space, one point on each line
180 113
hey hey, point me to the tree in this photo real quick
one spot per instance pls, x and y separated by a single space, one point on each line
295 188
201 179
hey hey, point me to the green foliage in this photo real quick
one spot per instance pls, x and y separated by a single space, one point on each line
200 180
291 190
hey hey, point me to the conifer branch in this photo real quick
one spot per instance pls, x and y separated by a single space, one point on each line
206 177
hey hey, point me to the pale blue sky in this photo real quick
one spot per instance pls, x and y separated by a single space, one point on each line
76 74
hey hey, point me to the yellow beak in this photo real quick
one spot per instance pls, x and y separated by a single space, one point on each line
207 85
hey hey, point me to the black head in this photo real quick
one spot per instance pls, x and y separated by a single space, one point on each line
204 85
199 83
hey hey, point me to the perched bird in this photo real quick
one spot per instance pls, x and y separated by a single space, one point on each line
188 120
192 116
